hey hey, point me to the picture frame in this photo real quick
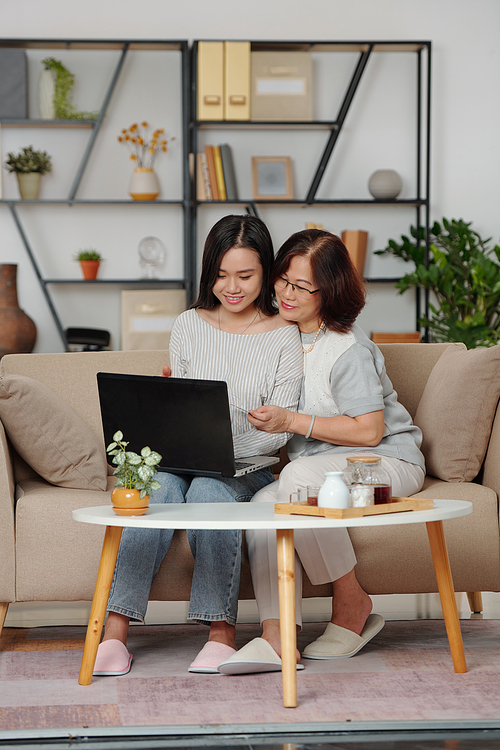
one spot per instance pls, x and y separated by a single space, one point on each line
272 178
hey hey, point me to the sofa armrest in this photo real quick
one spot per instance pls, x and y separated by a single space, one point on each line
7 527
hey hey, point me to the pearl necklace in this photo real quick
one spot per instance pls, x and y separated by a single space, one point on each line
245 329
321 328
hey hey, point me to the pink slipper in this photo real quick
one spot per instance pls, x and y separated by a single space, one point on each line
210 656
112 659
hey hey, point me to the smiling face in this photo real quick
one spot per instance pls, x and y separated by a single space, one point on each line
299 309
239 280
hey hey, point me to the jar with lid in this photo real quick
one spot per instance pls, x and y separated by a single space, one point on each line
368 482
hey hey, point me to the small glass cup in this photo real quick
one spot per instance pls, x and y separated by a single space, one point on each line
294 498
312 495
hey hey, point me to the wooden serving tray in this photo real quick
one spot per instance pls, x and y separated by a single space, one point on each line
397 505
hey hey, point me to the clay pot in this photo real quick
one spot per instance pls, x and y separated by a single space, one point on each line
90 269
17 330
385 184
128 502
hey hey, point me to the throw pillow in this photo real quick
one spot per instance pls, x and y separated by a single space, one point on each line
50 436
456 411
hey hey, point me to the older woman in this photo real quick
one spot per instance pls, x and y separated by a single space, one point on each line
347 406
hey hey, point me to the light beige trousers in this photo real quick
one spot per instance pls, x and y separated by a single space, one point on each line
325 554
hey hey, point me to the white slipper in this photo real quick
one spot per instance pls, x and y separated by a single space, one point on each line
340 643
257 656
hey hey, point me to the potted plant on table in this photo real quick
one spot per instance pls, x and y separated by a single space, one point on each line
135 477
29 166
463 275
90 261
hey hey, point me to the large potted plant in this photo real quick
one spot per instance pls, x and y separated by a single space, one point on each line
463 277
135 476
29 165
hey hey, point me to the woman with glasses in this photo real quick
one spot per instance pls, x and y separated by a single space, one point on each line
347 406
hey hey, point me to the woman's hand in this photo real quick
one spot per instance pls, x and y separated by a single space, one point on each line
271 419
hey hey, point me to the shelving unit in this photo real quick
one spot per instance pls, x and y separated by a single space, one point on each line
123 46
366 52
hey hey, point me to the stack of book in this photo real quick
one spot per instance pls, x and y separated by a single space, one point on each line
215 174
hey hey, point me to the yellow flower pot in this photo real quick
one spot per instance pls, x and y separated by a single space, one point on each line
128 502
144 184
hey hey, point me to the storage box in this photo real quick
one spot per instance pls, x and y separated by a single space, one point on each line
281 86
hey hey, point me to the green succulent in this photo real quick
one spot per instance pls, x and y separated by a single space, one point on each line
63 94
29 160
134 471
88 253
463 275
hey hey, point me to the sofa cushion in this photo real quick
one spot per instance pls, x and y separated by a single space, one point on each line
50 436
456 411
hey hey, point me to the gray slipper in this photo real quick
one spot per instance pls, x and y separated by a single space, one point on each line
340 643
257 656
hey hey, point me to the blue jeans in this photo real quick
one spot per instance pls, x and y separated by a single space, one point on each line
216 576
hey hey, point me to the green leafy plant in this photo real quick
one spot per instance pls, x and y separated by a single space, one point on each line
134 471
63 94
463 274
88 253
29 160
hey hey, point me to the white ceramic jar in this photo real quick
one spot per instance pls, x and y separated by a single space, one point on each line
333 492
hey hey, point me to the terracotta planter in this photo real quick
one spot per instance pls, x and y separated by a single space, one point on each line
29 185
17 330
90 269
128 502
144 184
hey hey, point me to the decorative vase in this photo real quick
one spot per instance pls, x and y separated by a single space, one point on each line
386 184
46 91
90 269
333 492
29 185
128 502
144 184
17 330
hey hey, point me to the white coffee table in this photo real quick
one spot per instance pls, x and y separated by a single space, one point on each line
262 516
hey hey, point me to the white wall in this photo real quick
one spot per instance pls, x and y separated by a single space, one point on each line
465 143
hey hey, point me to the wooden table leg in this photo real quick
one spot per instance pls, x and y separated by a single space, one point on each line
109 554
446 593
286 582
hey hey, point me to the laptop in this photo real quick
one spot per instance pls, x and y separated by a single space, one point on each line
186 421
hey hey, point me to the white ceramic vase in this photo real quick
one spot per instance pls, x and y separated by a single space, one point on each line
385 184
46 90
333 492
144 184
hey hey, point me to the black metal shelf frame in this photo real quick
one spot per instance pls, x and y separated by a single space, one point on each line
365 50
124 46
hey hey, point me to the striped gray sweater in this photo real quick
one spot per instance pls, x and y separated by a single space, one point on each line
261 368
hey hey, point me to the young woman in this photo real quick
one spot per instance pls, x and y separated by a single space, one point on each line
231 333
347 405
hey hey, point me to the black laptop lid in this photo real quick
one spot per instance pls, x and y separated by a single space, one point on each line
186 421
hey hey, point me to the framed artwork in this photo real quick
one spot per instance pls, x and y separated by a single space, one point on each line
272 178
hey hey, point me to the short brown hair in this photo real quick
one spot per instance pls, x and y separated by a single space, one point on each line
341 287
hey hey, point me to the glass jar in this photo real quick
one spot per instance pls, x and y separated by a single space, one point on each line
368 482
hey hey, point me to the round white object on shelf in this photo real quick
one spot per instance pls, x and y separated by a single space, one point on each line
152 255
385 184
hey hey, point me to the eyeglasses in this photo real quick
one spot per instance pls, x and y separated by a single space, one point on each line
300 291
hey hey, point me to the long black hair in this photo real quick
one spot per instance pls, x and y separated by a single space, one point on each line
241 230
341 287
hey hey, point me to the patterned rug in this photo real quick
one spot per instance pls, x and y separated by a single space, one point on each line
404 674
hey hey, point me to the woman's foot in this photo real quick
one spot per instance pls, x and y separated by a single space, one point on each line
222 632
271 634
116 628
351 605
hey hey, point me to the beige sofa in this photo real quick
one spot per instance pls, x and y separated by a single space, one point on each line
46 556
